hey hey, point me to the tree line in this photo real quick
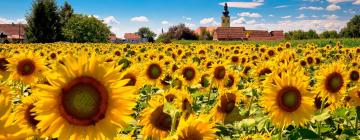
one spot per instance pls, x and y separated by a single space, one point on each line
47 23
352 30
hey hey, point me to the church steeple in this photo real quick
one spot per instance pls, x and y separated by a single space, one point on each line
226 11
225 19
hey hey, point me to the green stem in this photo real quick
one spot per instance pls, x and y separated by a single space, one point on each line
251 100
173 123
280 134
356 123
319 123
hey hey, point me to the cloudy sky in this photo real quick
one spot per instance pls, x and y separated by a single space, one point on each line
128 15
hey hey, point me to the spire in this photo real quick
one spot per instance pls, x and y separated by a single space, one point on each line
226 11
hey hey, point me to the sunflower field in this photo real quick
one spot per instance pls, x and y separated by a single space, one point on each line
178 91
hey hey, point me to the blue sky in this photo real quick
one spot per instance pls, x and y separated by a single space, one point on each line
129 15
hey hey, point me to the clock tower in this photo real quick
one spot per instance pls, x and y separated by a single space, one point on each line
225 19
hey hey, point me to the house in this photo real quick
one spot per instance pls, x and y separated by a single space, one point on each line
225 32
132 38
112 38
12 32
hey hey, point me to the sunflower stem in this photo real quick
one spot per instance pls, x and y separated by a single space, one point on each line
251 100
319 122
281 131
356 121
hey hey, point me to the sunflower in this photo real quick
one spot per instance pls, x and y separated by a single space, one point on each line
354 95
226 106
85 99
157 124
153 72
3 65
133 74
8 130
190 73
218 73
287 99
331 83
25 116
354 75
196 128
26 67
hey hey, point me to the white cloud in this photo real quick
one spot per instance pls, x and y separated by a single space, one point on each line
110 20
251 22
248 14
311 8
190 25
338 1
286 17
238 21
207 21
187 18
314 16
281 6
258 0
318 25
301 16
333 7
164 22
10 21
243 4
357 2
271 15
331 17
140 19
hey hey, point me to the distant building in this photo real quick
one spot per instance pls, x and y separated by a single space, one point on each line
132 38
225 32
112 38
12 32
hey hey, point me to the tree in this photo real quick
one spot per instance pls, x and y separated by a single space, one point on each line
329 34
352 28
83 28
65 13
145 32
181 32
311 34
43 23
205 34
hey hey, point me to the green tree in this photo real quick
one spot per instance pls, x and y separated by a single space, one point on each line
145 32
43 23
66 11
352 28
83 28
329 34
311 34
205 34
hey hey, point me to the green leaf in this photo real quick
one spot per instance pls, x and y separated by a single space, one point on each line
341 112
307 134
321 117
358 112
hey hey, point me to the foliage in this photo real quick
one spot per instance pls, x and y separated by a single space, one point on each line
82 28
179 32
145 32
329 34
43 23
300 35
353 28
205 34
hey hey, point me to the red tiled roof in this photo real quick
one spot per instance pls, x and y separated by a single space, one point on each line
131 36
13 30
229 33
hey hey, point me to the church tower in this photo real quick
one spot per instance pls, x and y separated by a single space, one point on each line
225 19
